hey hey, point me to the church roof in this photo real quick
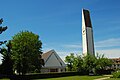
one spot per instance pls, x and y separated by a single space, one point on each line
51 59
46 55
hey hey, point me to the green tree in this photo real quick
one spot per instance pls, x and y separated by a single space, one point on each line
1 30
4 68
88 64
77 64
102 64
70 60
26 52
1 27
74 63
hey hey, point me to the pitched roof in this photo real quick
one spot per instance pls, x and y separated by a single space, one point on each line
52 59
46 55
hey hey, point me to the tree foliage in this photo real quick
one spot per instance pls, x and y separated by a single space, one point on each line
6 54
102 63
87 64
70 61
1 27
4 68
26 52
78 63
1 30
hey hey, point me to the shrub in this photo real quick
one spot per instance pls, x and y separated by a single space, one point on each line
116 74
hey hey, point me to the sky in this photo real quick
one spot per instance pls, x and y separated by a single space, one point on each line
58 23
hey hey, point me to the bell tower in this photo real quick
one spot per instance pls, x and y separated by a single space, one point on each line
87 34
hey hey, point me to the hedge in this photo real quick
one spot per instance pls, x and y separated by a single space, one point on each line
39 76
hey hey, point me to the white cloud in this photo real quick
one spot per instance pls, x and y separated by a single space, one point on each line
108 43
108 47
63 54
110 53
113 42
73 46
46 49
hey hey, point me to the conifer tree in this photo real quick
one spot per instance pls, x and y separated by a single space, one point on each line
4 68
2 29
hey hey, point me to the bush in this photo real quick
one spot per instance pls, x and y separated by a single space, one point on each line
116 74
38 76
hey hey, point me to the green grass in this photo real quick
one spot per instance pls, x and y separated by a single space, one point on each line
74 78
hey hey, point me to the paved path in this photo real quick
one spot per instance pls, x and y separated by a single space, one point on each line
102 78
106 77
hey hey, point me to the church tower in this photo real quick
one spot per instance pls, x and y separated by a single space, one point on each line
87 34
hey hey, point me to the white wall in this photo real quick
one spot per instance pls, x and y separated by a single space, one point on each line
52 62
84 40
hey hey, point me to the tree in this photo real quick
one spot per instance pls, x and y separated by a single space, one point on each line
2 28
69 60
6 53
88 64
4 68
102 64
26 52
74 63
77 64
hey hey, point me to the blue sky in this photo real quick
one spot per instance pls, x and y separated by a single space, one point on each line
58 23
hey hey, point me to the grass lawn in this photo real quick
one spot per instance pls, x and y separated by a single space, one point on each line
74 78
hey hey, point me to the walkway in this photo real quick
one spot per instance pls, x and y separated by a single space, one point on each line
106 77
102 78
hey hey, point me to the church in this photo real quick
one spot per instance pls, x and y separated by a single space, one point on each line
53 63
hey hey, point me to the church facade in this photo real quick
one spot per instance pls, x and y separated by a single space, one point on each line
53 63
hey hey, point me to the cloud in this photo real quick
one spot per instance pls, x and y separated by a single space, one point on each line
63 54
73 46
109 47
47 49
114 42
110 53
108 43
64 49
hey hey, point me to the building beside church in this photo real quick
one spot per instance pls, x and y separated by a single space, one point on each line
53 63
116 63
87 34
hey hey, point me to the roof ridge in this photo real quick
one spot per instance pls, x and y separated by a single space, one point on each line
47 54
49 51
